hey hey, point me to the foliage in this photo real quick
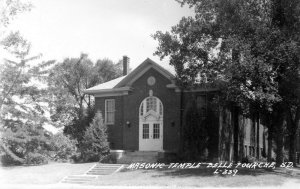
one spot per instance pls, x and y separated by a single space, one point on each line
24 143
66 83
95 145
23 139
35 159
78 125
195 134
10 9
21 103
67 80
249 49
62 147
107 70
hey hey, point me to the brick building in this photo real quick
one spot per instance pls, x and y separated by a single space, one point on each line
144 111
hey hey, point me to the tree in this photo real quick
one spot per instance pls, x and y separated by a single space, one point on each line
62 147
66 83
95 145
67 80
12 41
107 70
11 8
23 138
195 134
247 48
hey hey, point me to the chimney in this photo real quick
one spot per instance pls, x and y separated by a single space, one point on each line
125 65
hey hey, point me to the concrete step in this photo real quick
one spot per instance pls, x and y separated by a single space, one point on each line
138 157
142 153
93 173
107 167
104 169
99 173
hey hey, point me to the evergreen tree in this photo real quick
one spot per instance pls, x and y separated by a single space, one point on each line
95 145
23 139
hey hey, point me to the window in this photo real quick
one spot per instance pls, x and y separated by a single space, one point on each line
151 104
142 109
145 131
110 111
160 109
156 131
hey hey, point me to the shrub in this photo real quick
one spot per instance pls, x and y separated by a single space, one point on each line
23 143
79 124
31 144
8 160
249 159
63 147
35 159
94 146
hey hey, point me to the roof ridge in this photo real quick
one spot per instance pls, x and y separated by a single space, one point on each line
132 76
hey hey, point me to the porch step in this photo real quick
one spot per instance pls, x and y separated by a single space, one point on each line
138 157
93 173
104 169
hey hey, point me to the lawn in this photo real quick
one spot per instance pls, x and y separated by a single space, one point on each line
195 178
50 173
47 176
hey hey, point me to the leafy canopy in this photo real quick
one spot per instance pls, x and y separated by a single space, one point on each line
239 46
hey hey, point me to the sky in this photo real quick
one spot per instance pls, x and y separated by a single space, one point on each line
59 29
101 28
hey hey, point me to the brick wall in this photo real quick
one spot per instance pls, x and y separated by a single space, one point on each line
115 132
127 109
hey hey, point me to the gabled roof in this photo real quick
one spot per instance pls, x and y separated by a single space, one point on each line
107 85
123 84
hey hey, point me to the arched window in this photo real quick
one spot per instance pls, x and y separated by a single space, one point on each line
151 103
142 109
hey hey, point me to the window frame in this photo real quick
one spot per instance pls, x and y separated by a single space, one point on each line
112 111
159 108
156 131
146 131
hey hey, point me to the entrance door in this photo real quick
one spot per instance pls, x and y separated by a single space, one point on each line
151 125
151 136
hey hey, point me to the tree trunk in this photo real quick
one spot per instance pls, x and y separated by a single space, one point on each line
241 137
270 142
279 142
263 154
253 135
257 136
292 146
236 133
293 128
181 141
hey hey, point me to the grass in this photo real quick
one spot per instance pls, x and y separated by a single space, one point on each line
201 177
50 174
